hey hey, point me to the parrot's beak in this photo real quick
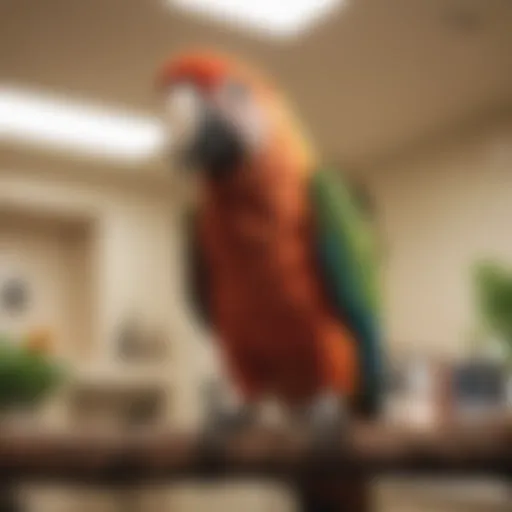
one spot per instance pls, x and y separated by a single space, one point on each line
216 148
204 137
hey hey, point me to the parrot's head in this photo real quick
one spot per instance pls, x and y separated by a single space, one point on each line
224 118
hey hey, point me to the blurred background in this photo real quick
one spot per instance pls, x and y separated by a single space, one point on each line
411 97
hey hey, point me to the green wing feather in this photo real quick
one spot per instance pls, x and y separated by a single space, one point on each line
347 255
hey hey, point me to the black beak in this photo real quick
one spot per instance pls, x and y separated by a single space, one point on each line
217 149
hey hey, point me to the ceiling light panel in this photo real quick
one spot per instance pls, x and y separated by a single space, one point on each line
278 18
59 123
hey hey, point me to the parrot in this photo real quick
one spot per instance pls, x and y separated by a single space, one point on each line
282 256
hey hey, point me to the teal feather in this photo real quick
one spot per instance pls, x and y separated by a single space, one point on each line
349 264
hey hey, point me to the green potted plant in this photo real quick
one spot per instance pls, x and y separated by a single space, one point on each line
28 373
493 283
493 287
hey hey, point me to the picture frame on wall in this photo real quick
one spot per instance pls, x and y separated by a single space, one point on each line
14 295
138 343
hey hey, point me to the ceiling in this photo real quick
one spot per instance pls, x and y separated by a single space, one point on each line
377 78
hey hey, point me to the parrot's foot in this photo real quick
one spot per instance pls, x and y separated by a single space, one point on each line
223 425
327 419
228 422
223 421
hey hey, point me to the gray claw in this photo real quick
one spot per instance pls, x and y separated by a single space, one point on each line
223 421
327 420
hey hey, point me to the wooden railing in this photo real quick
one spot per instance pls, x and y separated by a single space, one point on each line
342 475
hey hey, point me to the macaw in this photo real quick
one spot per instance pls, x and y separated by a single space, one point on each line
283 259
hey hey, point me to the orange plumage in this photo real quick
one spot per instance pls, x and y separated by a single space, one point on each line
268 305
278 332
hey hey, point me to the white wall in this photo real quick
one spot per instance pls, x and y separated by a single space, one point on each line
133 247
52 259
441 212
136 269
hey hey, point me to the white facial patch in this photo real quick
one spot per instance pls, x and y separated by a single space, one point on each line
183 108
238 106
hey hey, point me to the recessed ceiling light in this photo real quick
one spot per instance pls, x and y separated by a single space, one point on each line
59 123
279 18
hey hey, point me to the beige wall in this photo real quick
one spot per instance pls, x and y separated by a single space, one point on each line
131 246
53 258
135 270
441 212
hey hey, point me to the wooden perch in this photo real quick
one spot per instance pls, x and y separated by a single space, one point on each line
483 447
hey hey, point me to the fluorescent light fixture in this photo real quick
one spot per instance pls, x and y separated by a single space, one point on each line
60 123
279 18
